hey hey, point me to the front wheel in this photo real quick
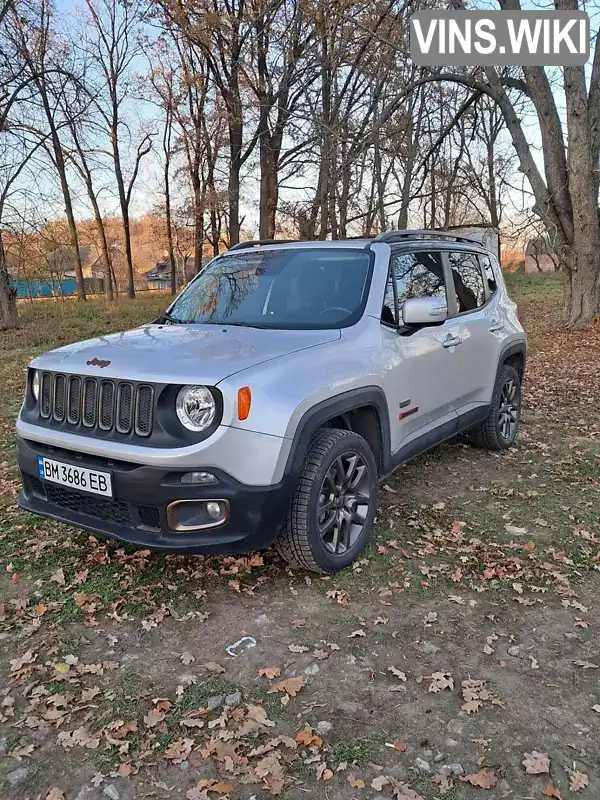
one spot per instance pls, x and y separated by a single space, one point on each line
499 429
333 507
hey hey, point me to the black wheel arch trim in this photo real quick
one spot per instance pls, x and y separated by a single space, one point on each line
333 407
516 348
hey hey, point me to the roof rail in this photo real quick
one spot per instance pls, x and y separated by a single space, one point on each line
430 233
258 242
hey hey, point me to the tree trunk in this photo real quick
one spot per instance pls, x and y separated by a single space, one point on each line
583 258
9 317
108 288
124 207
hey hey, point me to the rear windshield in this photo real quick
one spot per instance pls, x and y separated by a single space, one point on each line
305 288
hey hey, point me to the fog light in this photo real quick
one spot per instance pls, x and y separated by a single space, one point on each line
196 515
198 477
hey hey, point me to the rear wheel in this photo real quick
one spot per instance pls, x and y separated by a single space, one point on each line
333 507
499 429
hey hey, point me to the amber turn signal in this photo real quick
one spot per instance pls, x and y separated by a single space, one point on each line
244 402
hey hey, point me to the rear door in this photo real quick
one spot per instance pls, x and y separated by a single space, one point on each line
423 377
474 299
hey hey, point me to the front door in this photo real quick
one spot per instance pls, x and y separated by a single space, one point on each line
424 375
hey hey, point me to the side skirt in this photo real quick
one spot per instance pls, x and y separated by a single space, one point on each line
436 436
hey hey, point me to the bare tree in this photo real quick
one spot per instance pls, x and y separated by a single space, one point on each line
113 47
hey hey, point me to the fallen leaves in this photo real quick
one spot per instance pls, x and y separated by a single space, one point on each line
202 788
484 779
298 648
179 750
578 781
80 737
475 695
212 666
269 672
186 658
355 783
585 664
398 673
354 634
536 763
401 791
440 681
290 686
552 791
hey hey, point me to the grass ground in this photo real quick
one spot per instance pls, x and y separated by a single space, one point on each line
464 639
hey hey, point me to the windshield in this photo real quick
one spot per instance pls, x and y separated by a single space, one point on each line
286 288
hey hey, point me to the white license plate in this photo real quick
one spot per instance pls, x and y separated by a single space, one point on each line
86 480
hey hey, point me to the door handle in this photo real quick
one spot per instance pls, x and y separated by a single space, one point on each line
452 341
496 325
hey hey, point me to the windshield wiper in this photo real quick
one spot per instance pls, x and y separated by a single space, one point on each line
166 315
248 325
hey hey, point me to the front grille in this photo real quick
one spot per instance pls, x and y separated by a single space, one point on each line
149 516
103 508
99 507
97 404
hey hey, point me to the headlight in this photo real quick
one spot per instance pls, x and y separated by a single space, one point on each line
196 408
35 385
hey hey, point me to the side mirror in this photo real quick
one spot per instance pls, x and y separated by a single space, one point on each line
424 311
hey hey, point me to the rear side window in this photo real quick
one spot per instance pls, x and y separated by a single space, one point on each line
467 278
489 274
418 274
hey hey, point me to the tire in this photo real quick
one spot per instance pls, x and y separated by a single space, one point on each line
494 433
307 539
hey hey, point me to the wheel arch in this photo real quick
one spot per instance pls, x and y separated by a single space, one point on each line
515 355
363 410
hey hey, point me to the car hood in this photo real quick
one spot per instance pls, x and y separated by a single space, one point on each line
179 353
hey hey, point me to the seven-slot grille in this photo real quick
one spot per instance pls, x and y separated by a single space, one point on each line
97 403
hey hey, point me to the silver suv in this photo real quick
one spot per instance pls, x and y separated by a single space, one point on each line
274 393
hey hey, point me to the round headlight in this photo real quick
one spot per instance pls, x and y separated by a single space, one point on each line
196 408
35 385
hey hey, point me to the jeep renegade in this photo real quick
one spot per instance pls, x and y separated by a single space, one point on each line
274 393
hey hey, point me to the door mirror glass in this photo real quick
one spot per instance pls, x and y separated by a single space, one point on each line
424 311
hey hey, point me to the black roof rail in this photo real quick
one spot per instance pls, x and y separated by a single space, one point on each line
258 242
431 233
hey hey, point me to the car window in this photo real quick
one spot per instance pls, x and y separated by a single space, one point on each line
489 273
419 274
305 288
468 280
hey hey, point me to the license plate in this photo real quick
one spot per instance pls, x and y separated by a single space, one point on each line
86 480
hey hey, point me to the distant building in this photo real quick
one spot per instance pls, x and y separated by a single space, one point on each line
159 277
540 256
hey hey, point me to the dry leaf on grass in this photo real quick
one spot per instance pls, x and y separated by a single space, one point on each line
440 681
212 666
290 686
578 781
179 750
186 658
55 794
153 717
536 763
269 672
596 708
586 664
356 783
354 634
398 673
308 738
551 791
484 779
203 787
297 648
379 782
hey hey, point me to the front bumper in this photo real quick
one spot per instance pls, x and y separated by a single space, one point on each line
137 511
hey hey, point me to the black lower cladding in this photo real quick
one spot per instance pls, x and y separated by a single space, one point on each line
136 512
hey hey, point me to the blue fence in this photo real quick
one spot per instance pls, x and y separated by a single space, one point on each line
55 288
